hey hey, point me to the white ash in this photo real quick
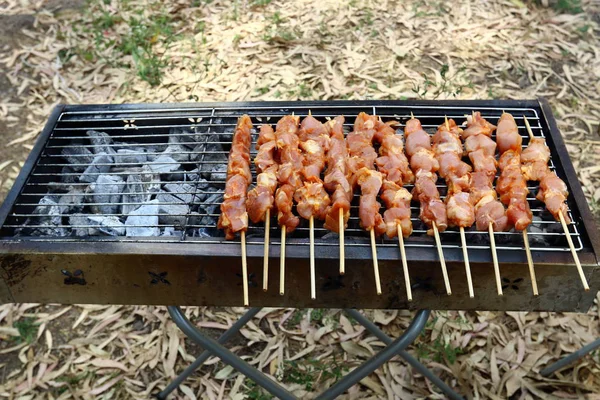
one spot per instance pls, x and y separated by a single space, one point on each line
72 201
150 179
164 164
101 141
47 215
107 189
135 193
78 155
177 152
176 214
143 221
169 231
92 225
99 165
68 175
183 191
128 156
218 173
187 136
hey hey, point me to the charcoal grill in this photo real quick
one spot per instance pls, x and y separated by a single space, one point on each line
177 153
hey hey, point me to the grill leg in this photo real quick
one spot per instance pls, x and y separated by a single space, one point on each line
423 370
205 354
579 354
415 328
229 358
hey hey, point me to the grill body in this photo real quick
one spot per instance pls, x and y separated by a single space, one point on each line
196 266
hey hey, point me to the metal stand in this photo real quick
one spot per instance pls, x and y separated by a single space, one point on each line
579 354
393 348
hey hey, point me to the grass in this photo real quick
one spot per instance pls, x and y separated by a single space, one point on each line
439 351
450 86
309 373
27 330
129 39
277 33
255 392
568 6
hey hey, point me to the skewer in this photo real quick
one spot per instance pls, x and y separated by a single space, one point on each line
282 263
575 256
530 263
313 290
442 259
467 265
375 264
495 259
342 250
565 228
266 251
464 243
244 268
404 263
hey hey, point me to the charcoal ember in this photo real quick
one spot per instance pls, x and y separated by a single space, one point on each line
143 221
176 210
78 155
69 175
192 175
108 190
129 156
46 218
101 141
211 204
100 165
134 194
178 152
164 164
154 151
188 137
72 201
150 179
80 225
209 151
170 231
536 240
183 191
175 176
218 173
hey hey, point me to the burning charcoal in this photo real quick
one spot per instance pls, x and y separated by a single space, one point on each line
68 175
150 179
143 221
218 172
72 202
187 136
536 240
78 155
209 152
101 141
47 216
164 164
128 156
178 152
183 191
135 193
211 204
176 212
99 165
108 190
169 231
92 225
80 225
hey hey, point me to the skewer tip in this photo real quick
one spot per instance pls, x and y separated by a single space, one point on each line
412 116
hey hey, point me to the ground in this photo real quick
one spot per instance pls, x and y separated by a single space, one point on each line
151 51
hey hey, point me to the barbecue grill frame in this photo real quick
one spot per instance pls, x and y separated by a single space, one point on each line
20 250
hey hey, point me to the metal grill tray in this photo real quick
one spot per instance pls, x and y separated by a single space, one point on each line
206 131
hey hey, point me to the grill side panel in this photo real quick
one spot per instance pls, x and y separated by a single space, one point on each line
216 281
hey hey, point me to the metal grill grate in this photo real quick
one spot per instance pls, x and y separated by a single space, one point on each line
200 139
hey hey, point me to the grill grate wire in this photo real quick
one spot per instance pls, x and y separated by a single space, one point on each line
145 129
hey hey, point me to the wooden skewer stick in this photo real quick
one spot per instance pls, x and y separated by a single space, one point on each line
375 264
313 290
575 256
495 259
438 243
412 116
404 263
282 263
244 269
467 265
528 127
447 124
266 251
530 263
342 249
